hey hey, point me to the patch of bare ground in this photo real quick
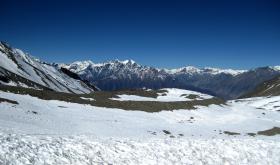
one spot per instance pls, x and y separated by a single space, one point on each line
270 132
8 101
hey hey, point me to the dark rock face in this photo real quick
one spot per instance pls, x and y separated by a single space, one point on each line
4 79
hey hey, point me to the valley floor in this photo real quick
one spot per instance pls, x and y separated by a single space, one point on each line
35 131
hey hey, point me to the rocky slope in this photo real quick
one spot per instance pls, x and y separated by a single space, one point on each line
20 69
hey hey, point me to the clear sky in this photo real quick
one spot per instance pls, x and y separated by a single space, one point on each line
174 33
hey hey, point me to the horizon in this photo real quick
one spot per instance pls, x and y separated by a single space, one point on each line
123 60
165 34
204 67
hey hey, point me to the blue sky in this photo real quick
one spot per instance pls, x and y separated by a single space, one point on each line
174 33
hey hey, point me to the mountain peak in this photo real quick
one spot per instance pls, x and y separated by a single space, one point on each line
276 68
186 69
128 61
125 62
79 65
4 43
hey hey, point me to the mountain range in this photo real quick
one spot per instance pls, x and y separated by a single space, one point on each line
20 69
223 83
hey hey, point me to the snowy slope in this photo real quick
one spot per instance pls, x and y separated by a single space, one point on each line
26 69
54 132
50 117
265 103
36 131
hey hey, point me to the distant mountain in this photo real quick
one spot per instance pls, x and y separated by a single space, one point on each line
267 88
20 69
224 83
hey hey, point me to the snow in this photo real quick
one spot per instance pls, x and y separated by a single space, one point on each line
52 115
188 69
265 103
68 133
226 71
125 62
26 149
78 65
85 98
11 83
207 70
8 64
118 68
276 68
172 95
44 74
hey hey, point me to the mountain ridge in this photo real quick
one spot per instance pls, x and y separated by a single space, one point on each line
20 69
224 83
189 69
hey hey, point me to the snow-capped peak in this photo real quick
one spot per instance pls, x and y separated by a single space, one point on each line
128 62
277 68
124 62
187 69
26 57
206 70
79 65
226 71
83 63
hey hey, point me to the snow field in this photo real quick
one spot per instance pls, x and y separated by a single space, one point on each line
46 132
172 95
271 103
26 149
36 116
